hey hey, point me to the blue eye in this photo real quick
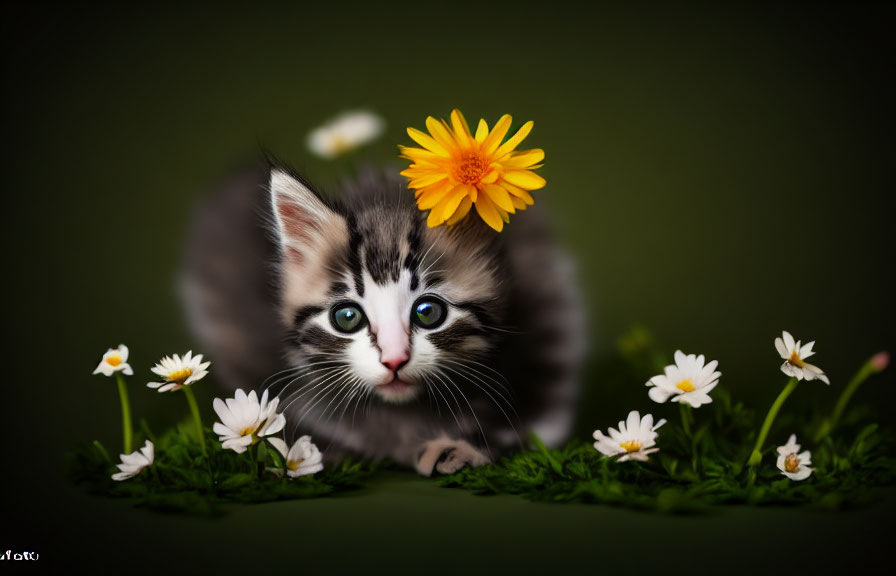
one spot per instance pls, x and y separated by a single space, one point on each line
347 318
429 312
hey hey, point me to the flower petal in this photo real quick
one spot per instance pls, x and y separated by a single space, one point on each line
489 213
514 141
500 197
462 210
427 142
490 144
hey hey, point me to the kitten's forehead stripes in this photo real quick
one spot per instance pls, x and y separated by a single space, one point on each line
355 243
412 260
382 243
338 288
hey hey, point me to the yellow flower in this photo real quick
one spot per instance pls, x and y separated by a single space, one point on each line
456 169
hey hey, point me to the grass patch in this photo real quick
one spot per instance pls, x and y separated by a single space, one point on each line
183 481
847 469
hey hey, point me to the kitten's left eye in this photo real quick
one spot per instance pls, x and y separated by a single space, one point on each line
429 312
347 318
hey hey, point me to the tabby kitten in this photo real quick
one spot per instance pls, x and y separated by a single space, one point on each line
434 347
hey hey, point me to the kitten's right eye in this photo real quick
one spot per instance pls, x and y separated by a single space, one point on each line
347 318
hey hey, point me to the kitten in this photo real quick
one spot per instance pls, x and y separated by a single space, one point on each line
434 347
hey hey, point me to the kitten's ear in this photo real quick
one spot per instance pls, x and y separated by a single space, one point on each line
306 228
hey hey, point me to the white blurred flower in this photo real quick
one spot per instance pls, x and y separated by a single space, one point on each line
635 439
114 360
246 420
688 380
133 463
345 133
794 356
179 372
302 458
793 463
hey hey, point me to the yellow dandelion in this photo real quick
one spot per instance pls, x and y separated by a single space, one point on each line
455 170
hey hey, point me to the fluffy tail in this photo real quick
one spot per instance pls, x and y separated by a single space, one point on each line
227 283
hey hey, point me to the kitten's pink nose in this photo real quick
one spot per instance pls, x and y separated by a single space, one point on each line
394 342
395 360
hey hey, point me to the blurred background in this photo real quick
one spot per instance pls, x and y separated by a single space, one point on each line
720 174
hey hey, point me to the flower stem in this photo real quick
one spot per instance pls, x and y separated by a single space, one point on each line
257 463
828 425
127 430
685 419
102 450
194 409
756 455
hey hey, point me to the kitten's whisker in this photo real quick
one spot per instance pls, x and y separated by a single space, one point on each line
505 330
460 428
355 388
433 263
306 375
346 388
313 385
472 411
480 375
275 374
322 396
428 387
425 254
361 398
496 403
295 372
501 376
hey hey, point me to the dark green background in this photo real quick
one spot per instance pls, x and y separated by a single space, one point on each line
721 174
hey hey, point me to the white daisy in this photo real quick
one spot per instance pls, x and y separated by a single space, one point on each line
302 458
793 463
133 463
794 356
345 133
114 360
179 372
635 439
245 420
688 380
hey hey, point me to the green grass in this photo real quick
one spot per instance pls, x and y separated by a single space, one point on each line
182 480
691 472
847 470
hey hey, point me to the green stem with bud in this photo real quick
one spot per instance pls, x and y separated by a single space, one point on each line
194 409
756 455
827 426
127 429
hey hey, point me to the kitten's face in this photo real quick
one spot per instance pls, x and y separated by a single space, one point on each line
379 304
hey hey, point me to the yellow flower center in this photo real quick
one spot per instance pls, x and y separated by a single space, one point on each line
294 464
792 463
340 145
796 360
180 375
470 168
114 360
630 446
686 385
250 431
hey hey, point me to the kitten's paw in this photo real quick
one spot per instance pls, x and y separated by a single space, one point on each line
446 456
